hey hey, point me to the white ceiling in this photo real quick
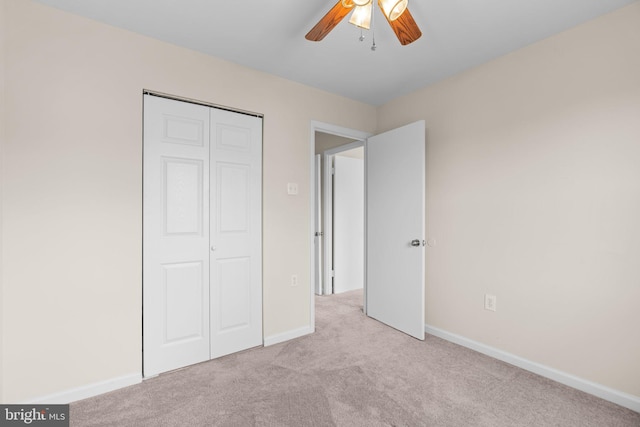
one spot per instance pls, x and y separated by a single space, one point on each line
268 35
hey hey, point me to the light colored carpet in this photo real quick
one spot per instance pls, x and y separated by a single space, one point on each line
353 371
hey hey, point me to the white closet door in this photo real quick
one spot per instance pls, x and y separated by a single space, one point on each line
202 235
236 229
175 235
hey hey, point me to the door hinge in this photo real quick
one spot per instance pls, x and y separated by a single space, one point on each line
333 171
333 273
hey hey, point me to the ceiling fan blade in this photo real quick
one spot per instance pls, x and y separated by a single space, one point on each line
405 28
329 21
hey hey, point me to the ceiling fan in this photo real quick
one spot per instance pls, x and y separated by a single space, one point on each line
395 11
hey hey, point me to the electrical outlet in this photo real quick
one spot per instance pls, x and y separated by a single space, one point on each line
490 302
292 189
294 280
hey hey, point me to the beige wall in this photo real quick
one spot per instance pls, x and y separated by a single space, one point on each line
356 153
533 195
72 190
326 141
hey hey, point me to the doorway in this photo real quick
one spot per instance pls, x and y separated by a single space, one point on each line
339 136
394 253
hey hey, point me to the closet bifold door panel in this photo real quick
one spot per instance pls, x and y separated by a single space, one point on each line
175 235
236 230
202 272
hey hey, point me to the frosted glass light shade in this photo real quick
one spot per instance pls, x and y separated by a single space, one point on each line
347 3
361 16
361 2
393 8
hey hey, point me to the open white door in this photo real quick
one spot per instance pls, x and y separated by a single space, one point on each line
395 257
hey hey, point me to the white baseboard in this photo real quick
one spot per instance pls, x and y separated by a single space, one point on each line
95 389
87 391
618 397
289 335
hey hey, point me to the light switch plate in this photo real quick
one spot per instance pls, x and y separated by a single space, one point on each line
490 302
292 188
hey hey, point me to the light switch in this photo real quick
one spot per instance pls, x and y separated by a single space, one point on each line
292 188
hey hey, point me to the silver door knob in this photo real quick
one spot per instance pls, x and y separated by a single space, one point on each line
415 242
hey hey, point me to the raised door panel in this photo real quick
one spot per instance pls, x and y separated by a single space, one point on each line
233 137
234 294
233 197
183 199
185 310
183 130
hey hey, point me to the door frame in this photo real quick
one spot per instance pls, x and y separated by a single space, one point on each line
327 212
317 126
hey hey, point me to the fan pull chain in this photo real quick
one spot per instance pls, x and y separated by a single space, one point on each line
373 27
361 38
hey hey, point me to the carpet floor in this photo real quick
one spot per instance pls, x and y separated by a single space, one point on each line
353 371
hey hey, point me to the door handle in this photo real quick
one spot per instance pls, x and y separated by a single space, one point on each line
415 242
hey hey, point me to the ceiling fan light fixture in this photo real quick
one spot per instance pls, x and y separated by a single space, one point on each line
393 8
361 16
395 12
